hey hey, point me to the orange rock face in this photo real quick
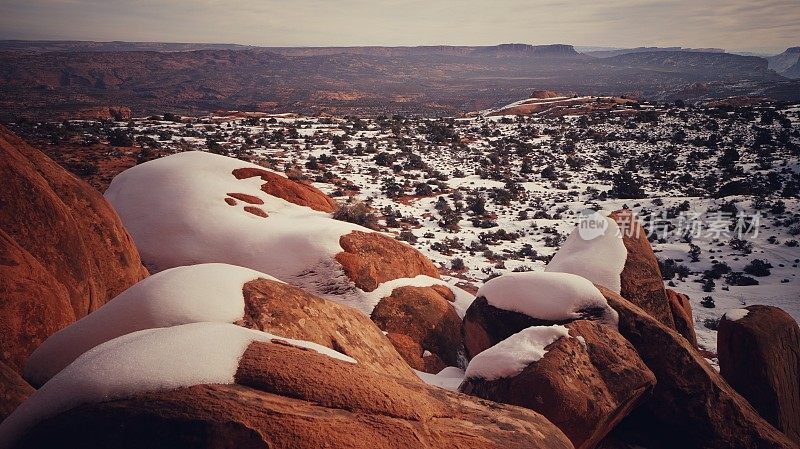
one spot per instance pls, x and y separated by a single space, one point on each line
426 317
282 309
682 315
85 257
641 279
289 397
759 355
370 259
584 387
291 191
691 404
13 390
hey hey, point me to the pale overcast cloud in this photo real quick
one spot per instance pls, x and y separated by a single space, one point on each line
730 24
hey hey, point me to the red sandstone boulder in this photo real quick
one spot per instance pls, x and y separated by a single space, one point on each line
13 390
370 259
641 279
422 314
691 404
585 384
759 356
291 191
682 315
288 397
282 309
68 247
426 317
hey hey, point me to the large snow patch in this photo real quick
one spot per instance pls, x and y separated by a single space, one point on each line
181 295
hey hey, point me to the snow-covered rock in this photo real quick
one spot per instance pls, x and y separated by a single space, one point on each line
512 302
736 314
144 361
597 256
196 293
175 209
550 296
449 378
509 357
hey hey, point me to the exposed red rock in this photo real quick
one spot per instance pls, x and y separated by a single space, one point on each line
584 387
691 404
291 191
682 315
73 233
759 356
288 311
641 279
34 304
288 397
13 390
370 259
428 319
250 199
257 211
230 201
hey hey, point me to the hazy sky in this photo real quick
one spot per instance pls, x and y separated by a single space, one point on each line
730 24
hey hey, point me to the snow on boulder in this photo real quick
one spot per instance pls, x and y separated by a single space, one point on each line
181 295
285 396
593 250
448 378
509 357
175 209
512 302
736 314
197 207
584 384
145 361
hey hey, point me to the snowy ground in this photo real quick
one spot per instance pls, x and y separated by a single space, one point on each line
483 196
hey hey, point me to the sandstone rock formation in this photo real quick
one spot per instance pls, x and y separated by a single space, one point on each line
691 404
69 243
370 259
288 311
584 384
289 397
291 191
13 390
641 279
682 315
427 318
759 356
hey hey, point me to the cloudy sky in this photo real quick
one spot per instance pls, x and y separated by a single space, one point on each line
731 24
